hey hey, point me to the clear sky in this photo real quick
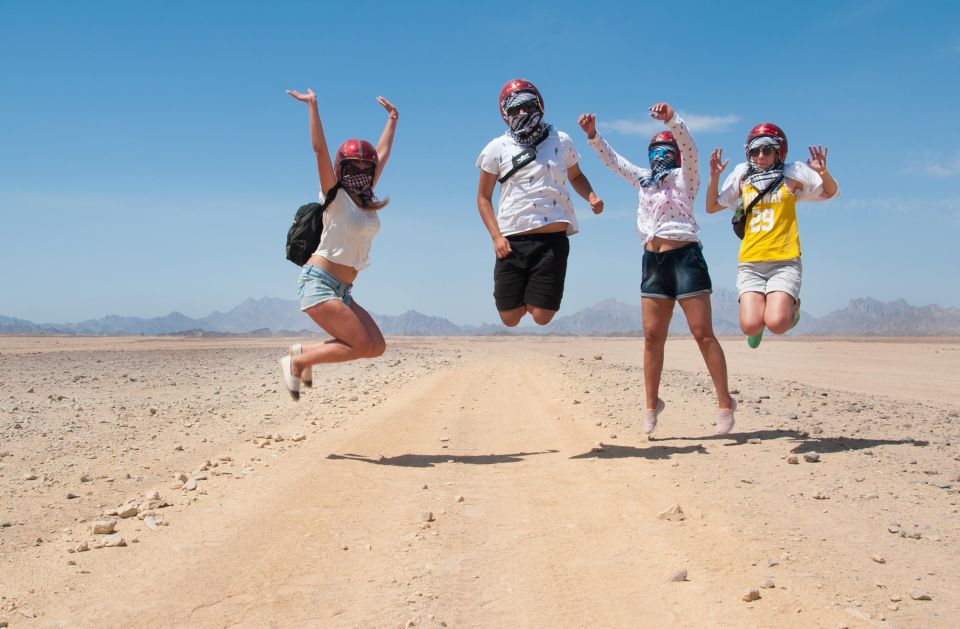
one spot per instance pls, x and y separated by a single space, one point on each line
150 160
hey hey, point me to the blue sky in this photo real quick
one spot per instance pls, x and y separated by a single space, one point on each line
150 160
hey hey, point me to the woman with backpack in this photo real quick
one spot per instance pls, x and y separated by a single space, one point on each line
350 222
674 269
765 190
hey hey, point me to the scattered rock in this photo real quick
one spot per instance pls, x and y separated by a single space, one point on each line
113 541
104 527
298 437
598 356
894 528
128 511
427 516
919 595
893 607
151 522
750 596
878 559
811 457
459 498
82 547
772 562
674 513
85 478
679 575
768 584
792 460
598 447
191 484
754 441
69 495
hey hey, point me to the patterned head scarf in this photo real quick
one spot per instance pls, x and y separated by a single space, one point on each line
527 127
663 159
761 178
359 183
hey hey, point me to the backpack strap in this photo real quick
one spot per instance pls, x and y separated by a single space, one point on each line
765 192
523 158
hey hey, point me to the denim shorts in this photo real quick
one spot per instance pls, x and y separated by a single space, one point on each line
317 285
675 274
768 277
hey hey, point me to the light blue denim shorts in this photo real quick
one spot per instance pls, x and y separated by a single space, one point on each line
317 285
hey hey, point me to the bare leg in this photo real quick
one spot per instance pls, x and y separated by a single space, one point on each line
698 311
752 306
541 315
355 335
512 317
656 320
780 311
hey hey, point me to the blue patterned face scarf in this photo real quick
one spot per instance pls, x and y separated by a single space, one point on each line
527 126
663 159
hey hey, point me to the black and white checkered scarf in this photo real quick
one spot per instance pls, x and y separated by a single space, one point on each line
761 178
526 128
663 159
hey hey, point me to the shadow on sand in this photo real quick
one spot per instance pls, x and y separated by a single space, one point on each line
823 445
650 452
431 460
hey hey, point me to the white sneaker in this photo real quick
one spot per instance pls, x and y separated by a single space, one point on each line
650 417
725 420
306 376
289 380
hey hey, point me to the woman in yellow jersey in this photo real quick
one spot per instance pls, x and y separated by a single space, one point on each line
769 269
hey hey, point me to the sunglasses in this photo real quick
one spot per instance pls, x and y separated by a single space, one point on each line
763 150
357 166
516 109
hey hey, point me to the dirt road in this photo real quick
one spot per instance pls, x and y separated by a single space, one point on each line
505 482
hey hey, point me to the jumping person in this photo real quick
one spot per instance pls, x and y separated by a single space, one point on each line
349 224
533 162
769 270
674 269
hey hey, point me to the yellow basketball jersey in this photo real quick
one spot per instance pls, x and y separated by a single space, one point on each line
771 232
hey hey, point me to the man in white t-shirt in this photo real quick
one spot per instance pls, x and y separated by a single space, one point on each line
532 161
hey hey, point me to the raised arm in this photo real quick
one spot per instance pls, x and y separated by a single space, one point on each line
690 162
318 140
717 164
818 162
386 138
610 158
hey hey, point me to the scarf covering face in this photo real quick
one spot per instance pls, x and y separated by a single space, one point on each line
526 128
358 183
757 177
663 159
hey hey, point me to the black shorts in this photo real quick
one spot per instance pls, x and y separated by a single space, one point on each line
675 274
533 273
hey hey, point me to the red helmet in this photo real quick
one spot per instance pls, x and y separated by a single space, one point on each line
665 137
517 85
355 149
770 130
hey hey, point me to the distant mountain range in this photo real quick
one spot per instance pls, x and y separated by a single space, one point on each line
279 317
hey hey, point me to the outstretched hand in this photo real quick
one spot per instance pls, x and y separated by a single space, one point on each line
661 111
391 110
717 164
309 97
596 203
818 159
588 122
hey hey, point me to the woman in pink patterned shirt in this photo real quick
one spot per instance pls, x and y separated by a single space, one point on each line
674 269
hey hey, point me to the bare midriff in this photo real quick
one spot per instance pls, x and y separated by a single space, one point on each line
662 245
552 228
342 272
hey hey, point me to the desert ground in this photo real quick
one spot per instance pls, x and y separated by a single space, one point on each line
477 482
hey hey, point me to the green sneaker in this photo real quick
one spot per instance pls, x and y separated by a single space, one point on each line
754 341
796 317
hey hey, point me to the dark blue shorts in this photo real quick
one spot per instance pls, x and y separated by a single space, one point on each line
675 274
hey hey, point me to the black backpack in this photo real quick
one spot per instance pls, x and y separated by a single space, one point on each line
303 237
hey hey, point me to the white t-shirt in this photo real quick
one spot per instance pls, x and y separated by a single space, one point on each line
665 210
798 171
348 232
537 194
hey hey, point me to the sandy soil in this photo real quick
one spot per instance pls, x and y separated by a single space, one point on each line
479 482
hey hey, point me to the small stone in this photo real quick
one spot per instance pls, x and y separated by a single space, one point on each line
151 522
297 436
772 562
598 356
894 528
811 457
896 598
29 476
768 583
598 447
750 596
178 449
113 541
679 575
85 478
69 495
82 547
754 441
427 516
191 484
153 494
674 513
104 527
128 511
893 607
792 460
919 595
878 559
459 498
